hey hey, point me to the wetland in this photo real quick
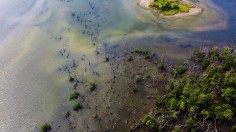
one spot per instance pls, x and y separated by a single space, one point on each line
88 65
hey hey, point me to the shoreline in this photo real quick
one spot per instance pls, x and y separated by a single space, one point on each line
192 12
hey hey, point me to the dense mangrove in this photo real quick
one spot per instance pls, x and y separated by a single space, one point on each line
197 95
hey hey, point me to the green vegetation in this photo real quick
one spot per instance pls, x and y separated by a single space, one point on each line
107 59
170 7
130 58
45 127
94 116
138 78
76 106
141 51
149 122
71 79
180 70
200 94
67 114
233 128
74 95
162 66
92 86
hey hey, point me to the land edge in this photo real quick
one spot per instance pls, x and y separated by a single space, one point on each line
192 12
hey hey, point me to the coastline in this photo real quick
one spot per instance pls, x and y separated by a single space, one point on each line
192 12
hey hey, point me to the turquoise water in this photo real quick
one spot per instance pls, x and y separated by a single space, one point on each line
34 90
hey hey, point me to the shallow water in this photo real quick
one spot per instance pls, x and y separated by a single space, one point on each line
33 90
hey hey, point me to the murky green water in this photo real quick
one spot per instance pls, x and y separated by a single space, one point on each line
33 89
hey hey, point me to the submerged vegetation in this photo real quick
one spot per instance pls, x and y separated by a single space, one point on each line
170 7
200 94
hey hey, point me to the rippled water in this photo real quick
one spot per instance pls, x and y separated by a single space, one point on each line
32 33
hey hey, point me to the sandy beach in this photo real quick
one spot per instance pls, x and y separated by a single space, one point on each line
145 3
193 11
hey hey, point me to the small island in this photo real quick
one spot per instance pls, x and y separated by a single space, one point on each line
172 8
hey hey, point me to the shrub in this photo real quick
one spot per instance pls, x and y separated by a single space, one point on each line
76 106
138 78
205 113
228 61
229 94
182 105
198 56
92 86
180 70
159 100
233 128
135 90
155 62
94 116
147 57
228 58
107 59
230 79
214 53
162 66
177 128
191 123
130 58
141 51
224 112
71 79
172 104
150 122
175 115
205 63
45 127
74 95
67 114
